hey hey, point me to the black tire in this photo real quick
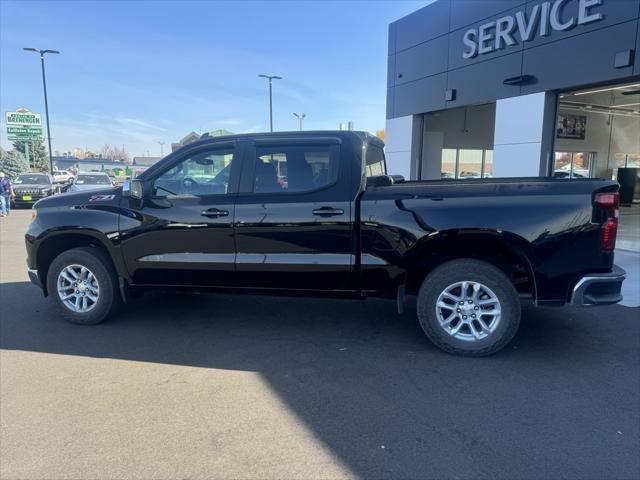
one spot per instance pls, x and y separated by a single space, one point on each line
98 262
448 274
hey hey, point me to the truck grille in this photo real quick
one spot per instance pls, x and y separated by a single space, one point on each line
27 191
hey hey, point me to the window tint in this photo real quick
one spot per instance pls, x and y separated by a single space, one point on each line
93 180
375 165
295 168
204 173
31 179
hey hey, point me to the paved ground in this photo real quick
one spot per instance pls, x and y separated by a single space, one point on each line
195 386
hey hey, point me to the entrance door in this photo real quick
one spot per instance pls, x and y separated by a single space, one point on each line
573 164
293 216
181 233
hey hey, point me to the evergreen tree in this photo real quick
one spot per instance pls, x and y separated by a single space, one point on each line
38 158
12 163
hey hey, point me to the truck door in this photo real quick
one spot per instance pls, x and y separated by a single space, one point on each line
181 232
294 218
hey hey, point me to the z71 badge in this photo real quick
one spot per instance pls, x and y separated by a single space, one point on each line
101 198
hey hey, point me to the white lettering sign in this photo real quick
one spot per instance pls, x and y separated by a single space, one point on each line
542 18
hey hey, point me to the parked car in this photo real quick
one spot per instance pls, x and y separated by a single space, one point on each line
90 181
297 214
31 187
62 176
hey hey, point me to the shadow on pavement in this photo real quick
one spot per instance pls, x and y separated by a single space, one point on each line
376 392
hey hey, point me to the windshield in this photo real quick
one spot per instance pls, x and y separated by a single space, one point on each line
93 180
31 179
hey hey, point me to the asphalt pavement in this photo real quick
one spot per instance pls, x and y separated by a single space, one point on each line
226 386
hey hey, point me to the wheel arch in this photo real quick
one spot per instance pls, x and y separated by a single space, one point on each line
57 242
509 252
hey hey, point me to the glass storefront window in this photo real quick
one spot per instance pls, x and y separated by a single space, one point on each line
573 164
488 164
448 170
470 163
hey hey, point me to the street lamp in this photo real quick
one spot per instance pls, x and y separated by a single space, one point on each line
270 78
300 118
46 104
161 149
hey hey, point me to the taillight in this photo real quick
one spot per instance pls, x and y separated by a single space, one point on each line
608 200
608 233
609 229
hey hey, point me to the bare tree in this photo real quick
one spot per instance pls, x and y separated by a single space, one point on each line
114 153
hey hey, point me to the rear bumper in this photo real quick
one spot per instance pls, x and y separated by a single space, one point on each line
598 288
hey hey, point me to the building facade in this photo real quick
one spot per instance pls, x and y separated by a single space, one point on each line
480 88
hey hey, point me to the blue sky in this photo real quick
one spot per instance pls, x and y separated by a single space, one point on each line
140 72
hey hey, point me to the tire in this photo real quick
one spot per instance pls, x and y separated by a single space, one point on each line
484 323
100 288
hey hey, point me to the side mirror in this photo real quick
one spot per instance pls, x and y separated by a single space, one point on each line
379 181
132 188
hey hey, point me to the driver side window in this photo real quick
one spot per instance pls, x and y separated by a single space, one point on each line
203 173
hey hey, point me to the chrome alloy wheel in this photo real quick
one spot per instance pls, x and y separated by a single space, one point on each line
78 288
468 311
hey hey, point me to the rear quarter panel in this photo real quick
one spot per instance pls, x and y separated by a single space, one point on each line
545 221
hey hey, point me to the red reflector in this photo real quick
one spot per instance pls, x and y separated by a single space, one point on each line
608 234
608 200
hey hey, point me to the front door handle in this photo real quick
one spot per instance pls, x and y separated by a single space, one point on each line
328 211
214 213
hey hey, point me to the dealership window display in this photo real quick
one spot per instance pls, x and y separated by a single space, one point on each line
597 131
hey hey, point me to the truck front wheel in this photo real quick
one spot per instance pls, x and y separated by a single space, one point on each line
84 285
468 307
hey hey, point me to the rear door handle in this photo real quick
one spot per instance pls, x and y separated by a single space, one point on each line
328 211
214 213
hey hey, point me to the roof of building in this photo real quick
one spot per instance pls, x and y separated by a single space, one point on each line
145 161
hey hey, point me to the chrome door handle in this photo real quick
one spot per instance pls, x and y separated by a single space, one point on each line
328 211
214 213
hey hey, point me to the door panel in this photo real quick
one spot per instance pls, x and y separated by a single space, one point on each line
181 233
294 230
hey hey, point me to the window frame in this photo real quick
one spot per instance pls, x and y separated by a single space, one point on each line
234 174
247 183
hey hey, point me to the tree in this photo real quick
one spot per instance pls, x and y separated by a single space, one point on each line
114 153
12 162
38 158
380 134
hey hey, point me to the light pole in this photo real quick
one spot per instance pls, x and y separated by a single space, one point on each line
161 149
270 78
46 103
300 118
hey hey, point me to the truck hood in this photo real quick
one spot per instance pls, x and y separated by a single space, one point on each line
78 188
102 196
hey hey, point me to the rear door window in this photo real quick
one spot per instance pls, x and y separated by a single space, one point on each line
295 168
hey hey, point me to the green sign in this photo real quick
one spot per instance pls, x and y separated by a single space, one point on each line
23 117
25 131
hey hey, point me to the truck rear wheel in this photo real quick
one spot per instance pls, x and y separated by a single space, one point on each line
84 285
468 307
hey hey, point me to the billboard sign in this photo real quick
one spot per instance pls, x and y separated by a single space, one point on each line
23 124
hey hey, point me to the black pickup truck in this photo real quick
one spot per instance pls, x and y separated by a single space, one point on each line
315 213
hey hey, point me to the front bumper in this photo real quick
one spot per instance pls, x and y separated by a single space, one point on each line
34 277
34 198
598 288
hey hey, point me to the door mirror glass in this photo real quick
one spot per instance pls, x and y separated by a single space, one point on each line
132 188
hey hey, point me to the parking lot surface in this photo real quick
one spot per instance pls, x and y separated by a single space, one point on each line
227 386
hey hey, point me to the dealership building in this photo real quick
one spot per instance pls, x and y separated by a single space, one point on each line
480 88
